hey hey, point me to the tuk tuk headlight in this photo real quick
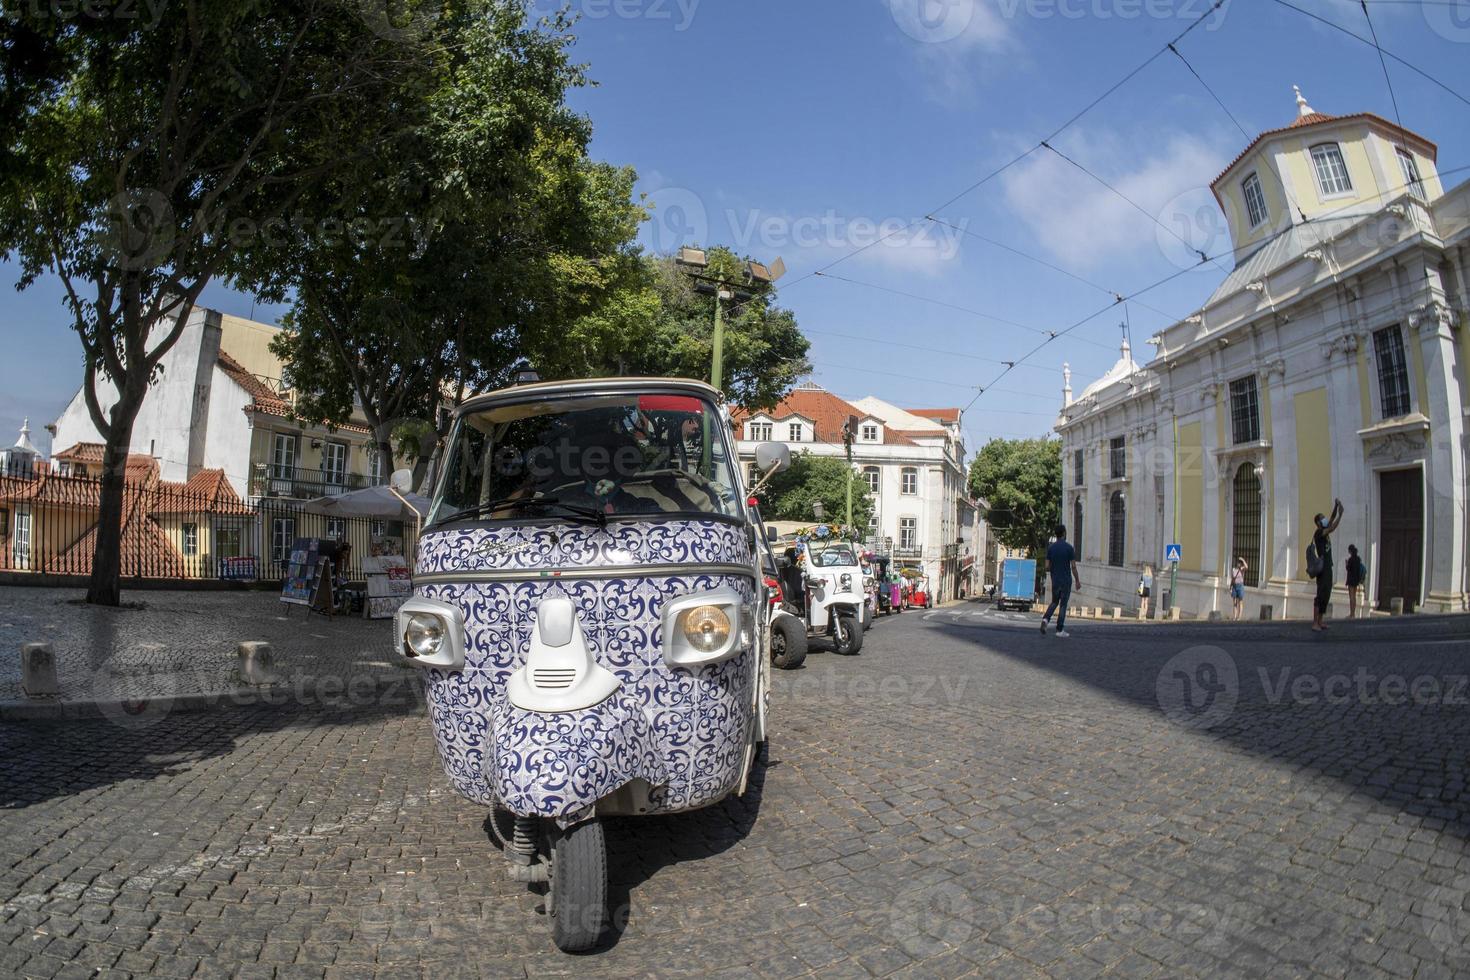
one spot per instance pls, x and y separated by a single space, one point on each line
430 633
707 628
423 635
846 582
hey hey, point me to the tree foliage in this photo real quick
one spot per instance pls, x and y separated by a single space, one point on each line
144 156
790 494
656 324
508 233
1022 481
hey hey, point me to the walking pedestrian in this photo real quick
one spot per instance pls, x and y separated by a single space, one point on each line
1322 546
1237 586
1356 576
1061 559
1145 590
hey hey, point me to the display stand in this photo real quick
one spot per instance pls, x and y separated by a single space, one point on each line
388 585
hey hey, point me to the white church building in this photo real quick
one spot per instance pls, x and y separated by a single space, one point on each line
1330 363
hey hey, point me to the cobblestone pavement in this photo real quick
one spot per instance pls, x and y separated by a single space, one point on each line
165 644
964 797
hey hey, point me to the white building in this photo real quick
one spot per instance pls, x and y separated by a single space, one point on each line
1330 363
912 460
220 403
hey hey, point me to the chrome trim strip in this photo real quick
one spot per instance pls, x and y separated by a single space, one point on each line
597 571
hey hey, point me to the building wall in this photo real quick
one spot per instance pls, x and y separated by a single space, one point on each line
176 397
1323 426
229 432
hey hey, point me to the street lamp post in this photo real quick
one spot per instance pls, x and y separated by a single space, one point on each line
694 262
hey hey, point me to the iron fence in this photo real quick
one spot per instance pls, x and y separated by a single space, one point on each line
175 531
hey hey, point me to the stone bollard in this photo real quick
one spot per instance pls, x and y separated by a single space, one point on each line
1216 616
1173 614
256 662
38 671
1117 613
1142 615
1266 612
1396 606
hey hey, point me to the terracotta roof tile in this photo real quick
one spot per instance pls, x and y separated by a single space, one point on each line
827 413
940 415
265 399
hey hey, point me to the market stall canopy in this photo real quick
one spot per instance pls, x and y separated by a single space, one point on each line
380 502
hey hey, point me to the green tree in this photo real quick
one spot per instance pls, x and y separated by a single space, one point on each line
655 324
515 234
790 494
142 157
1022 480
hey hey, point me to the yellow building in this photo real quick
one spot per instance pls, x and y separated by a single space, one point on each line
1331 362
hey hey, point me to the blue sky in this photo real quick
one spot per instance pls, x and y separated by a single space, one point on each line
809 129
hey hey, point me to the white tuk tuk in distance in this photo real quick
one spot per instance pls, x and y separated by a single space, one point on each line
588 615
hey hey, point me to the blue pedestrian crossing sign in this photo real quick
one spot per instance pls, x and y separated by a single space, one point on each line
1174 554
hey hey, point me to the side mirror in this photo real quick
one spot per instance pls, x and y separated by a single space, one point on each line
771 535
402 481
772 457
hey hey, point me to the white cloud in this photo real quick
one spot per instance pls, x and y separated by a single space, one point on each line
952 38
1081 222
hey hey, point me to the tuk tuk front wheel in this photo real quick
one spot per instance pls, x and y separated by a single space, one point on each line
847 636
788 643
578 899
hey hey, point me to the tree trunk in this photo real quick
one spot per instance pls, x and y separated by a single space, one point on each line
105 586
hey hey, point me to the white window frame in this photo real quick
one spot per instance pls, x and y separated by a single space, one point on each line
909 481
21 538
1255 200
874 476
760 431
336 475
283 455
1409 167
869 432
336 528
794 431
908 534
1330 166
281 543
189 538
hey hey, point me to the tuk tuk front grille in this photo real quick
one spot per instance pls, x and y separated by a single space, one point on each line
552 679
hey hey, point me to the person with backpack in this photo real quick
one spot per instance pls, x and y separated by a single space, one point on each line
1237 586
1356 576
1319 561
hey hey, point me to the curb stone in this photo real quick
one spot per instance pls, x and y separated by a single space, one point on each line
308 692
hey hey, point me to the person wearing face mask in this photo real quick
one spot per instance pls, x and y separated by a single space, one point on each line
1322 542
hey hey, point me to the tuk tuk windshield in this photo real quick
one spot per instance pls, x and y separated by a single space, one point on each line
834 556
588 457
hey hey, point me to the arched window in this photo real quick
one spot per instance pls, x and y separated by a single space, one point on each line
1077 527
1117 528
1246 540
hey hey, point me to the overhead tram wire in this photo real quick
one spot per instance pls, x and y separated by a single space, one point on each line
1139 208
1373 44
1042 262
1071 120
1285 191
907 346
952 306
1394 288
1382 63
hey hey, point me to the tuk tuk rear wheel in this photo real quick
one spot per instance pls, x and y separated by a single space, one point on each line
847 636
578 887
788 643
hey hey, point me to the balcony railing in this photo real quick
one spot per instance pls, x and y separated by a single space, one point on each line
270 480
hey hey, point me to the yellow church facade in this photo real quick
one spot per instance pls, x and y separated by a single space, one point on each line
1331 363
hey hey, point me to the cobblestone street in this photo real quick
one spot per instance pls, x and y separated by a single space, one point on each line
964 797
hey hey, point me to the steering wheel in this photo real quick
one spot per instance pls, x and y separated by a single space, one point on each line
715 491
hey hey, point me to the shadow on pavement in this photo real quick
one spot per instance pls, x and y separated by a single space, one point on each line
1384 709
45 760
